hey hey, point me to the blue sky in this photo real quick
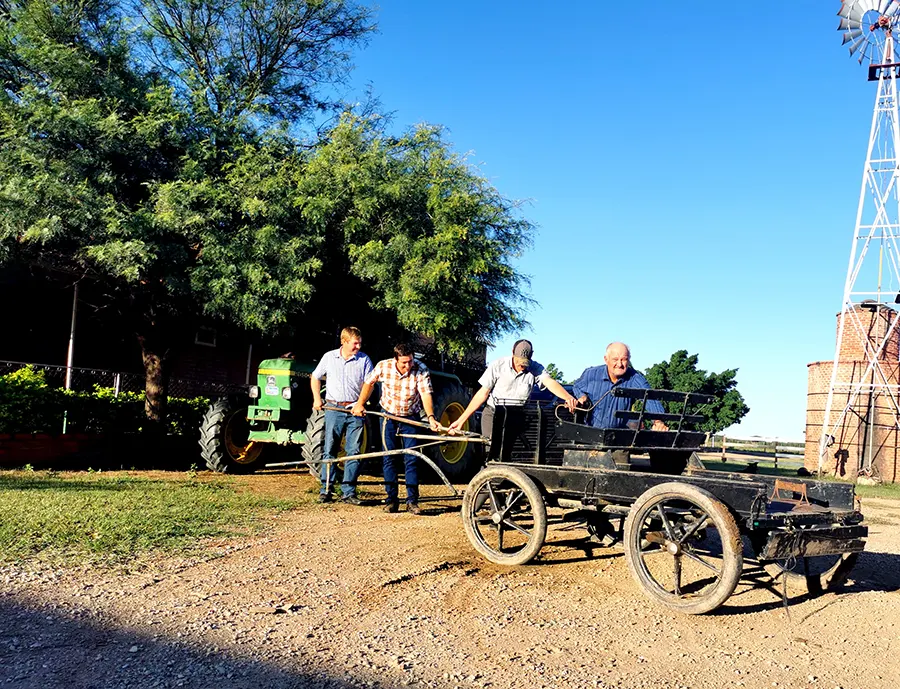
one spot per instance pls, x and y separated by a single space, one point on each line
694 174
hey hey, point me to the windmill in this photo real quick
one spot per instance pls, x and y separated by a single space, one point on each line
863 405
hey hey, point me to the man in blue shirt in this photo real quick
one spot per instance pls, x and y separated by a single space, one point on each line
344 370
596 383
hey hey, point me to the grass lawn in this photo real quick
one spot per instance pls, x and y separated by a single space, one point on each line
111 518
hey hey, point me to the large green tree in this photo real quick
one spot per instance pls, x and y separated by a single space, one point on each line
680 373
152 147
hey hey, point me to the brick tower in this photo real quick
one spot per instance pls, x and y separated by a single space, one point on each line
866 440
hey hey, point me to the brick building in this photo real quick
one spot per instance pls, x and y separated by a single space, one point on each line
868 435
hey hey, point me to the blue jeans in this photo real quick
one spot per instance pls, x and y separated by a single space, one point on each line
389 430
336 424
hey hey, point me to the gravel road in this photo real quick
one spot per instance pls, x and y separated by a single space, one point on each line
339 596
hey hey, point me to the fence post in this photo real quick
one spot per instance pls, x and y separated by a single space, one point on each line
117 384
723 447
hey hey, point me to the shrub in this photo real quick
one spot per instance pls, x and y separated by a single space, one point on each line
29 405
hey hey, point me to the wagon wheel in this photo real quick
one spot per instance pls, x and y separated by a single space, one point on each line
683 547
813 575
504 515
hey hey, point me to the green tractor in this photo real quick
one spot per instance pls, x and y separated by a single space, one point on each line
241 435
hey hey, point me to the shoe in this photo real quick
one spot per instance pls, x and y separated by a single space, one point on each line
392 507
413 508
325 497
351 500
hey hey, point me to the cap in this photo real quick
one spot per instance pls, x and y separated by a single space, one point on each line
523 349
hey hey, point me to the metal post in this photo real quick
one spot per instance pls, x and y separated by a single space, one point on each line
249 359
71 354
117 384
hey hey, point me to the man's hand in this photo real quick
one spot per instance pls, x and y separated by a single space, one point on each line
571 403
359 409
455 427
317 404
433 424
659 426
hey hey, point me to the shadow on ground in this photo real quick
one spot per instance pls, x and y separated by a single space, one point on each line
46 650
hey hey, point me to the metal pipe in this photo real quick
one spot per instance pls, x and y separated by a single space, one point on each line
70 356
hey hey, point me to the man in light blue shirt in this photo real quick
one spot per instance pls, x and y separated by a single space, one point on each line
344 370
596 383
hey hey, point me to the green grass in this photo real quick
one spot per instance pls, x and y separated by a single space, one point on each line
110 519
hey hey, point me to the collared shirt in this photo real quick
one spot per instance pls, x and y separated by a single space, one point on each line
343 377
508 386
595 383
401 394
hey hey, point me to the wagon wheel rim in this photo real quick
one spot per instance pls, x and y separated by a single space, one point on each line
505 517
681 553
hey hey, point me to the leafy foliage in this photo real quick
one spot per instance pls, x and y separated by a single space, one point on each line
680 373
555 373
29 405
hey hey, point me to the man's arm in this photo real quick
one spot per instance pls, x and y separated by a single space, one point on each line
359 409
428 406
557 389
478 399
316 385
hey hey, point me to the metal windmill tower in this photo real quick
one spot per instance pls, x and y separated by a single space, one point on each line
866 394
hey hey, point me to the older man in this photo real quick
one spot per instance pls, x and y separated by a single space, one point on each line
344 371
595 384
508 381
405 391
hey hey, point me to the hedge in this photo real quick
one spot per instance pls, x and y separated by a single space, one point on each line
29 405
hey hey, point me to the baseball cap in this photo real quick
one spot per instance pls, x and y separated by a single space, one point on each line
523 349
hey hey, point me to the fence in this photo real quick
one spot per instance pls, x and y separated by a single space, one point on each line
118 381
789 453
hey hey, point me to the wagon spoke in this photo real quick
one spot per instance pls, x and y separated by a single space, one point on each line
677 574
491 496
515 526
693 528
511 503
699 560
500 537
665 520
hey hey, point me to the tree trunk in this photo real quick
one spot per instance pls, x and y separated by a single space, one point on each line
156 384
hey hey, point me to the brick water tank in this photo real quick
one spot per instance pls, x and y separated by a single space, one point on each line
868 435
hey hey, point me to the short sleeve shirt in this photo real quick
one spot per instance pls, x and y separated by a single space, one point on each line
343 377
401 395
507 386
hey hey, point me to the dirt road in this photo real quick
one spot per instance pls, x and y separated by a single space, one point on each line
341 596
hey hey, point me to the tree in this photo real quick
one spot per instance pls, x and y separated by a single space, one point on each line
680 373
555 373
172 185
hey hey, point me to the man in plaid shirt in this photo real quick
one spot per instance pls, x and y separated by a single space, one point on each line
405 391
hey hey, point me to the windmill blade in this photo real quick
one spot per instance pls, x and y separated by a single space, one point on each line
857 44
851 35
846 24
892 8
883 6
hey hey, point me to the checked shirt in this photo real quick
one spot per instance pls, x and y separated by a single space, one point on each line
401 395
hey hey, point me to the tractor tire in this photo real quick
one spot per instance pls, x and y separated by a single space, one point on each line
223 439
314 447
458 461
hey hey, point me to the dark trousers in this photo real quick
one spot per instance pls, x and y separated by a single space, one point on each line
389 430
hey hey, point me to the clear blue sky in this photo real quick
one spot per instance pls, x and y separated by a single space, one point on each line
694 174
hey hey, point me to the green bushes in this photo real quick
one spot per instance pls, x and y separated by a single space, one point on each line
29 405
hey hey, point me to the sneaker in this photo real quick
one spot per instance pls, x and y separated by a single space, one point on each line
413 508
392 507
351 500
325 497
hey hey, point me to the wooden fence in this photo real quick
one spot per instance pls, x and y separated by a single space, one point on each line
788 453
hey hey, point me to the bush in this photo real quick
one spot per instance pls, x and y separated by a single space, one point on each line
29 405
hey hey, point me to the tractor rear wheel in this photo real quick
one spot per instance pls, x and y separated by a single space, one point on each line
458 461
223 439
314 448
